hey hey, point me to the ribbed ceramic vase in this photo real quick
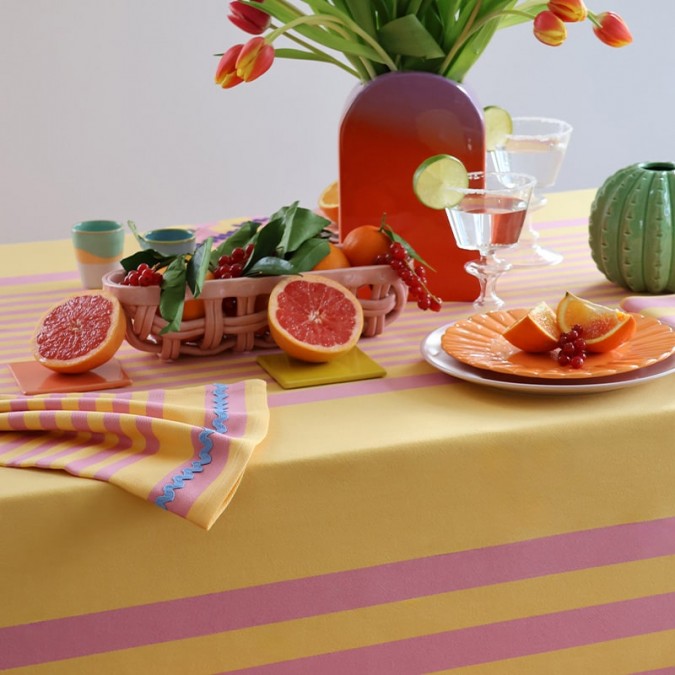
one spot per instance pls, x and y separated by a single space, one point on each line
632 228
389 127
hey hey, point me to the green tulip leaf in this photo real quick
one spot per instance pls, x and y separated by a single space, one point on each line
407 36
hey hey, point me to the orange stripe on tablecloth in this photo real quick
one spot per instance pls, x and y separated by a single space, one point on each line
70 637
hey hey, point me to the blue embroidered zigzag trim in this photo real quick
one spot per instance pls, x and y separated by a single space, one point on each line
220 399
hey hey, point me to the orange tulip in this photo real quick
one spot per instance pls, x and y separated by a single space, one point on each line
549 29
255 58
570 11
226 73
612 30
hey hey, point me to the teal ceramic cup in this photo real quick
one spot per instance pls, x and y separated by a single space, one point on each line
99 246
169 241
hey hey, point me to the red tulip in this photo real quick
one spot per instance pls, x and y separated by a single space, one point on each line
549 29
612 30
255 58
249 18
570 11
226 73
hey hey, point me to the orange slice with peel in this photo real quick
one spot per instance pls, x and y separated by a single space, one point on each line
329 202
536 331
314 318
80 333
603 328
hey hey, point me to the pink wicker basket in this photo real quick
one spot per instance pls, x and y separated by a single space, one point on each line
218 332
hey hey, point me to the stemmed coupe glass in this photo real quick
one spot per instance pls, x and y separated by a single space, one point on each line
489 218
536 146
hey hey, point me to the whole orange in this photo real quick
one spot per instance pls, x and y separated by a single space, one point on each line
335 259
364 244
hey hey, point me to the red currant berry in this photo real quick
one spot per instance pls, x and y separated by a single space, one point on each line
563 359
577 362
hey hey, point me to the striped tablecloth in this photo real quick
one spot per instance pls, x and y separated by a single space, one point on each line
409 524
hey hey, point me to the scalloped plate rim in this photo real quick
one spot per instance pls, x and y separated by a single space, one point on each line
484 357
435 356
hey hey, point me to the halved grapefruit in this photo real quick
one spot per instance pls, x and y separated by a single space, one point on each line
603 328
313 318
80 333
536 331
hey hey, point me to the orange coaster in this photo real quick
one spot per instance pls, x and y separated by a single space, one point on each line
34 378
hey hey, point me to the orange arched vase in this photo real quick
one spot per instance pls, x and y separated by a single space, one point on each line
390 125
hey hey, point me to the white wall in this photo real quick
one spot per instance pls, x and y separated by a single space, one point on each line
108 110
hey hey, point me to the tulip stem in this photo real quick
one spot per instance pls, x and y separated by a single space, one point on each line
325 56
337 23
472 28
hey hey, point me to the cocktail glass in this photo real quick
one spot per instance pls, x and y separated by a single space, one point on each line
537 147
489 218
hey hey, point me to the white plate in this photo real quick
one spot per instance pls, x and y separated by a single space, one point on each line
433 354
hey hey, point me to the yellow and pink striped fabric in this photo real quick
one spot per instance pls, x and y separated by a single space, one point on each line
184 450
661 307
410 524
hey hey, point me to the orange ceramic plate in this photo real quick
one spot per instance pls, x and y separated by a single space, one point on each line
477 341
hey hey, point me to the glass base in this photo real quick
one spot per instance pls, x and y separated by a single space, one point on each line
531 256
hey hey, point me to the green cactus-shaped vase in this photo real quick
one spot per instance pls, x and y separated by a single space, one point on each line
632 228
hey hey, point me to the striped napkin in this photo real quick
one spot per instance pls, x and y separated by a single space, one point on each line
184 450
661 307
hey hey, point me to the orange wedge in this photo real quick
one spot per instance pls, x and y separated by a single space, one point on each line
537 331
329 202
603 328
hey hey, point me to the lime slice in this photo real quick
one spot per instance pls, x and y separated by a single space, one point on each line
437 180
498 125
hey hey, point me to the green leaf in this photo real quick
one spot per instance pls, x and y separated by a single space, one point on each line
408 37
266 242
172 295
198 266
270 266
299 225
309 254
149 257
240 239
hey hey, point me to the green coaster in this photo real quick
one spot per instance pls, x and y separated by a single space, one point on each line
291 373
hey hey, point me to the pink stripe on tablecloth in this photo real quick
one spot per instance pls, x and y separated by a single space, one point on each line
661 671
38 278
638 303
492 642
361 388
130 627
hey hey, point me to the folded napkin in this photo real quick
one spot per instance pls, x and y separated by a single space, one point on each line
185 450
661 307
